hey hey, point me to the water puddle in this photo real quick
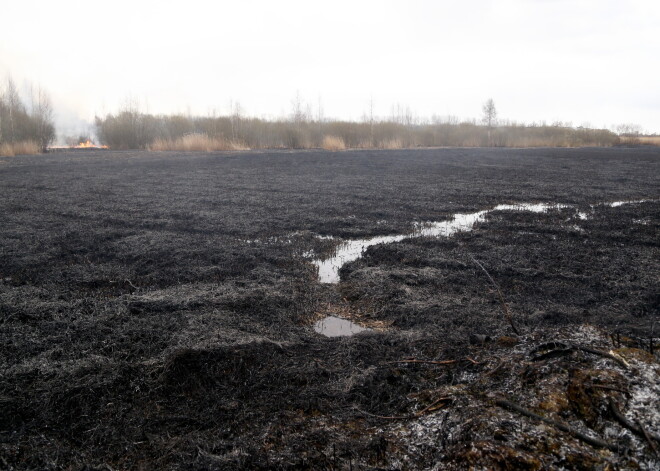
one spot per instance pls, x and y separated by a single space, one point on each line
616 204
350 250
333 326
612 204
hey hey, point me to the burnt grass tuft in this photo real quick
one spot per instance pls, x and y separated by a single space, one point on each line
156 310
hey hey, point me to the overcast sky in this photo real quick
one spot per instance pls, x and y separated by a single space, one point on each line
593 61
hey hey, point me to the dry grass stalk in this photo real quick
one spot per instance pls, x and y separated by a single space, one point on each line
333 143
19 148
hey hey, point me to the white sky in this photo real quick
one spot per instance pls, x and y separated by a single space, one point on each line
591 61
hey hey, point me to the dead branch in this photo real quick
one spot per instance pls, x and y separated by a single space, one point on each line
647 436
635 428
597 442
505 307
601 353
130 283
561 349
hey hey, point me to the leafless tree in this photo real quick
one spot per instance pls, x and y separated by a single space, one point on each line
300 111
320 117
490 117
628 129
14 105
490 113
236 118
372 141
42 115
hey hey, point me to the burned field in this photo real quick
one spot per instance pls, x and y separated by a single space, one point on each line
157 311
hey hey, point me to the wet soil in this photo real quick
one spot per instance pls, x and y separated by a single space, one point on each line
158 310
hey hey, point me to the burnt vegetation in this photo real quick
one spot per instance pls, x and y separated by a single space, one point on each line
156 311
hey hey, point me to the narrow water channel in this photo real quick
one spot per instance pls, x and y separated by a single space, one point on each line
350 250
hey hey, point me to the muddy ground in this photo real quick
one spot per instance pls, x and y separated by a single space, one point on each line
157 310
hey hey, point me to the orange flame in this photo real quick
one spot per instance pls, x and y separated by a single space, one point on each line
89 145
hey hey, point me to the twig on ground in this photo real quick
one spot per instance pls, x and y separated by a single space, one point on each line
433 405
129 282
385 417
474 362
609 388
505 307
651 338
597 442
431 362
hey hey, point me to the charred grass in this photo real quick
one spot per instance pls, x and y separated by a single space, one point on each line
156 310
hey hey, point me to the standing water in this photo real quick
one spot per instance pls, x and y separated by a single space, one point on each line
350 250
333 326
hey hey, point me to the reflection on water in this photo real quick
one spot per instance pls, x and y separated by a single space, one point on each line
350 250
616 204
333 326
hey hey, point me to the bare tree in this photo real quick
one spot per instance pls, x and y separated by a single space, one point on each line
490 116
629 133
13 102
372 141
490 113
300 111
629 129
236 118
320 116
42 114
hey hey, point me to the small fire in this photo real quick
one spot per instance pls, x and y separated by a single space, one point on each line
89 145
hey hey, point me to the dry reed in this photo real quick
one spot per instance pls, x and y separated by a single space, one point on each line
333 143
390 144
195 143
649 140
19 148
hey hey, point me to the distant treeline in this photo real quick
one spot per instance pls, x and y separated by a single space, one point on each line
25 128
131 129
